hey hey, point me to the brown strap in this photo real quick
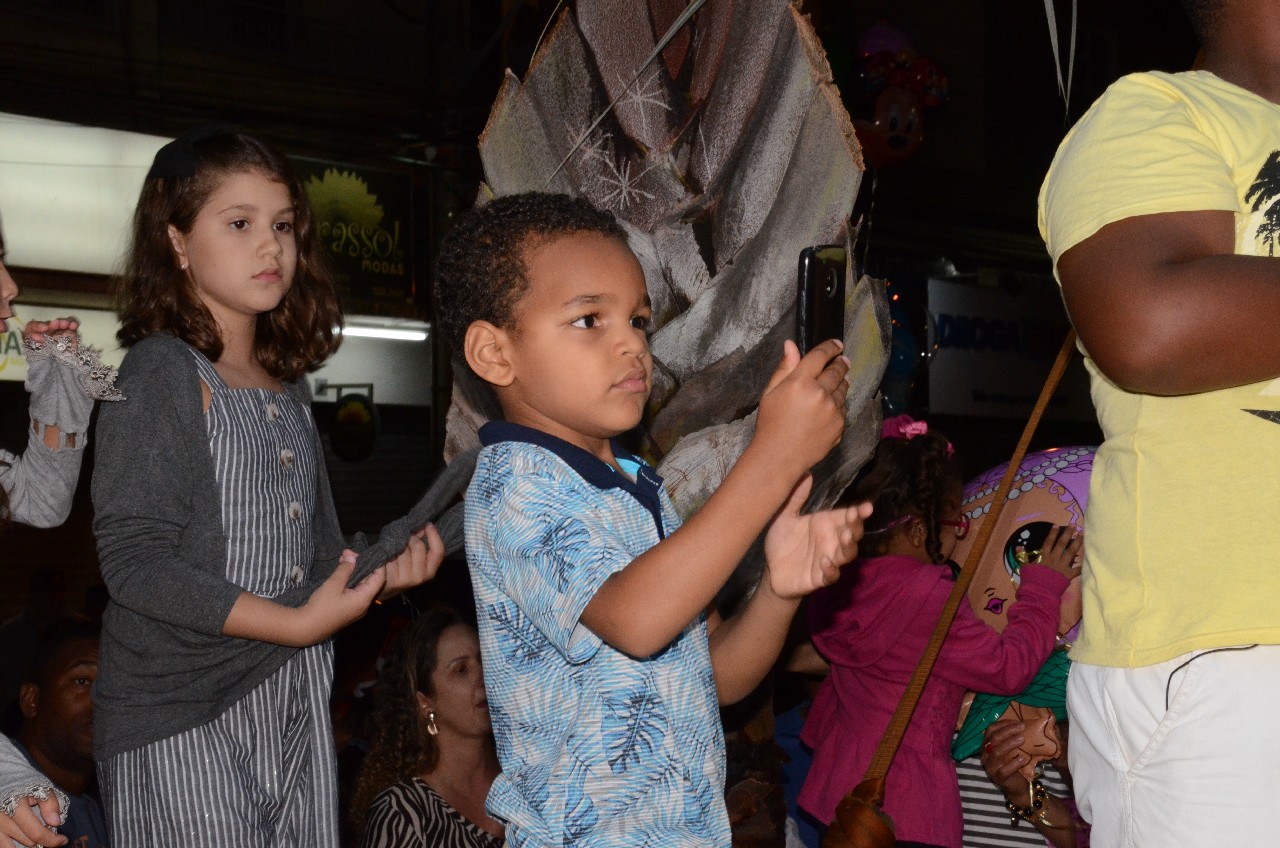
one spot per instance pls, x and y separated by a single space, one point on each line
884 755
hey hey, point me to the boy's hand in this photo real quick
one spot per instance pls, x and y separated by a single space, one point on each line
806 552
416 564
801 415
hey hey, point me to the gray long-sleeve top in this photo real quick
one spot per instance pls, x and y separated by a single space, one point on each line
165 666
19 780
42 480
40 484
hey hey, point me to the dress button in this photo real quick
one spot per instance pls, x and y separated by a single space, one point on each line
286 458
295 510
297 574
273 412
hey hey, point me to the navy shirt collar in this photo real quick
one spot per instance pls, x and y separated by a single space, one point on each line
589 467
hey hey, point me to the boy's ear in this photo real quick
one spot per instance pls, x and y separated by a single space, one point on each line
487 350
179 244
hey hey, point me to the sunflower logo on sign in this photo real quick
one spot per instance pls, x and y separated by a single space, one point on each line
341 196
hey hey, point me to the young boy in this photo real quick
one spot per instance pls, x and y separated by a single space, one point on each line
604 675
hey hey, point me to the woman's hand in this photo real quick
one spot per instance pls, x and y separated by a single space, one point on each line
1003 759
25 828
40 331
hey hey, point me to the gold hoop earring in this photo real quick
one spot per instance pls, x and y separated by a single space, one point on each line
431 723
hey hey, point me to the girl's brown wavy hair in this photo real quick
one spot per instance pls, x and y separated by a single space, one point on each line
401 746
154 296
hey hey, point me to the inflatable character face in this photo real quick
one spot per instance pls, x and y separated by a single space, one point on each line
1040 734
1051 488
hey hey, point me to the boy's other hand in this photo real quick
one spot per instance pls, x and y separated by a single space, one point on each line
801 415
806 552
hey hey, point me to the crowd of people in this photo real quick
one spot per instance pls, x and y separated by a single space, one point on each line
576 700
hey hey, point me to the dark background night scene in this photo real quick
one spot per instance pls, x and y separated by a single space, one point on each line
397 91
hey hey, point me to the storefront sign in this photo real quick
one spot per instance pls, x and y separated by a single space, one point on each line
363 220
995 349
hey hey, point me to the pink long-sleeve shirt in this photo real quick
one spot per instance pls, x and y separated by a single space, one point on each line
872 626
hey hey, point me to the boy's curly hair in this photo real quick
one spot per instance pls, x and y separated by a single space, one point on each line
480 271
401 746
906 477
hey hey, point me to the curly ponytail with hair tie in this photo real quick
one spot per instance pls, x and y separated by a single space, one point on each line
911 474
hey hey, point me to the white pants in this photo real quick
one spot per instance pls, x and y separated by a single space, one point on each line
1205 771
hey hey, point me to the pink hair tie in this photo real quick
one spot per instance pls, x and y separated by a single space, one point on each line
906 427
902 427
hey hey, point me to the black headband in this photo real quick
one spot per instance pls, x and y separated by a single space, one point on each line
178 157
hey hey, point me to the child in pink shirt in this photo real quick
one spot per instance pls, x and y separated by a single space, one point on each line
872 627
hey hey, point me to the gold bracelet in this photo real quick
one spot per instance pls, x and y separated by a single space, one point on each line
1036 812
1035 796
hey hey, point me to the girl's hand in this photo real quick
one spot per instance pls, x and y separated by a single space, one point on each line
1003 759
25 828
39 331
416 564
806 552
1061 551
1071 607
333 606
801 415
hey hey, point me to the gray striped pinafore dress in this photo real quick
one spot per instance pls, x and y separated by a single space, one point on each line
264 772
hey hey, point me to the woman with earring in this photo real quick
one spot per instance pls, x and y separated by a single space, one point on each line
432 760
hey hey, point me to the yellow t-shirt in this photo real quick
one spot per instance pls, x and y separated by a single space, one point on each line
1182 532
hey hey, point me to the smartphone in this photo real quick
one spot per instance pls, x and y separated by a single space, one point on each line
820 295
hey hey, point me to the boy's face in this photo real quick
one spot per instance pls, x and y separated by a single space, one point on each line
577 361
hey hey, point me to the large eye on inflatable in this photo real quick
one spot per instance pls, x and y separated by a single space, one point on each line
1024 546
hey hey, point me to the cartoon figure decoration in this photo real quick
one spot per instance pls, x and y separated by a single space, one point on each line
895 86
1051 488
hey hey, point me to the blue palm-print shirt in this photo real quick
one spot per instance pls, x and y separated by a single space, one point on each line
598 748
